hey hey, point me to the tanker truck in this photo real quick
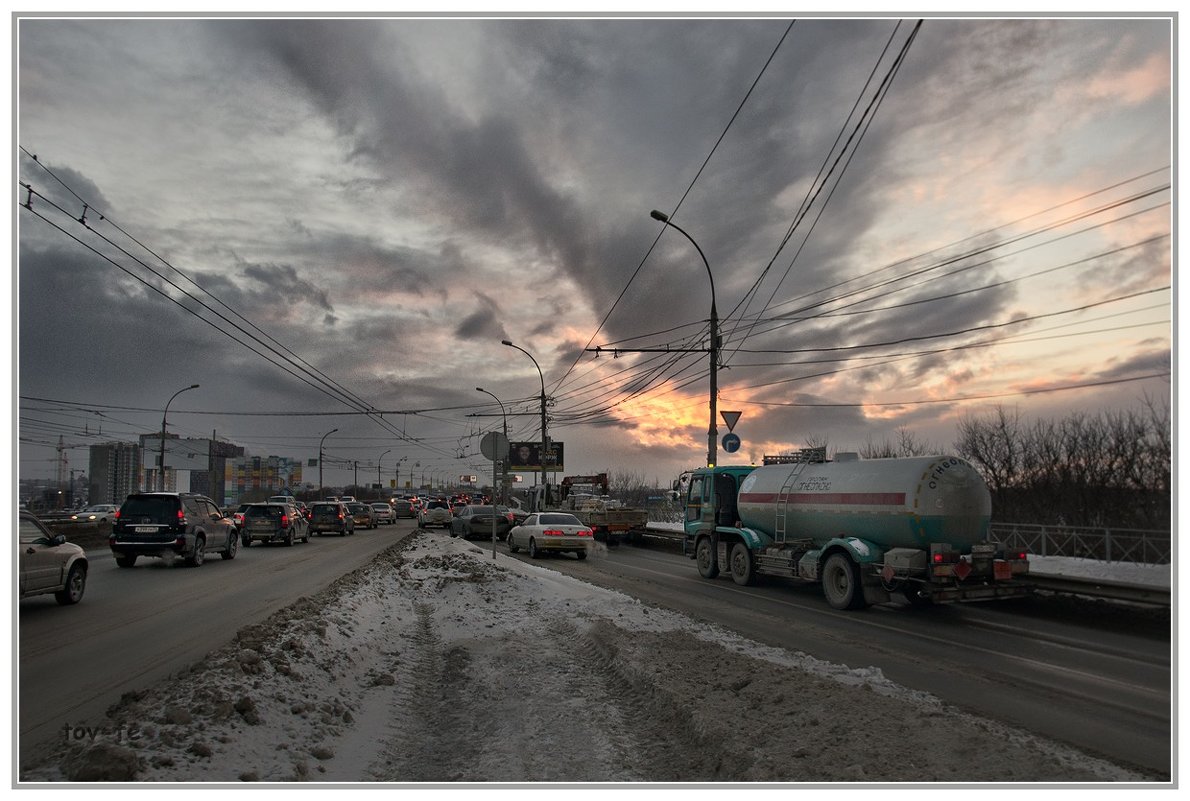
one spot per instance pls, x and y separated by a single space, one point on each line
863 528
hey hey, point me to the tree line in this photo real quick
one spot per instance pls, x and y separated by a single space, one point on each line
1110 469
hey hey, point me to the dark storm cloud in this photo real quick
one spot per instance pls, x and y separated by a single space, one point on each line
482 323
480 172
1148 363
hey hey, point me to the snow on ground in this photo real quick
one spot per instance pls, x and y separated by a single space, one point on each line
438 662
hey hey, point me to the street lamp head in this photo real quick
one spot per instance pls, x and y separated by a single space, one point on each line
659 215
506 342
193 386
480 389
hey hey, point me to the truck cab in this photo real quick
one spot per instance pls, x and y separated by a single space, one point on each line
711 498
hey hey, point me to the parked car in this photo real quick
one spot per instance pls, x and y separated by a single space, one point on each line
96 513
274 522
551 531
331 516
434 513
163 524
384 513
403 507
49 563
363 514
476 521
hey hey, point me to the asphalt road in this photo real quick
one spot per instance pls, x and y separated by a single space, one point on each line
1094 680
1077 674
137 626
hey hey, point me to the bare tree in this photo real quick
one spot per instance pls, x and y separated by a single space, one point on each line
1111 468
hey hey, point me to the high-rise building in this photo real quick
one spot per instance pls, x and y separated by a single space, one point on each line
115 471
258 477
191 465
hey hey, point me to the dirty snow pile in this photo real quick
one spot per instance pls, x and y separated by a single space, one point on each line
439 663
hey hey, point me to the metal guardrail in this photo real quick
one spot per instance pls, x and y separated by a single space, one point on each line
1139 546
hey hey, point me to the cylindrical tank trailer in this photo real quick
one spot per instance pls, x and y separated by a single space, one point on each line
905 503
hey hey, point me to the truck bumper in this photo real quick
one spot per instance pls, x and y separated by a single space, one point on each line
980 592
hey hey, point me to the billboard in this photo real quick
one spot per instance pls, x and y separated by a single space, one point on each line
526 457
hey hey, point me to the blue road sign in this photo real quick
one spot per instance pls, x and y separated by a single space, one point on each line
731 443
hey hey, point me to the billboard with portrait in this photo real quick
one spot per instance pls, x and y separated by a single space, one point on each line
526 457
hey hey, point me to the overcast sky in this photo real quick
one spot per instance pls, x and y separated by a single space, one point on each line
376 203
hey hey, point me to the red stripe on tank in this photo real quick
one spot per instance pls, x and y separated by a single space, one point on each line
828 498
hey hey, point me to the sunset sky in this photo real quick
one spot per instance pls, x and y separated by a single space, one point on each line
905 226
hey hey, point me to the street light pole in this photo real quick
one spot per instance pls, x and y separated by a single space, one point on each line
324 436
397 472
379 483
504 460
161 457
545 443
713 429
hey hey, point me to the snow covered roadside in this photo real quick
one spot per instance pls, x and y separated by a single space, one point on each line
438 663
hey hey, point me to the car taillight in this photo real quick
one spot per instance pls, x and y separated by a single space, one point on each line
284 520
116 516
553 532
181 517
586 532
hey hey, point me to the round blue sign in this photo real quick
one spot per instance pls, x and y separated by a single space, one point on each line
731 443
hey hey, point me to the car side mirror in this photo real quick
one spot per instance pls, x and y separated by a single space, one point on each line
57 539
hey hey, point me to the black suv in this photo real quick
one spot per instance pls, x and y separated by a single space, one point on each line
171 523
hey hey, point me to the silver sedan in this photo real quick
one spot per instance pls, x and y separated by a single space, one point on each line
551 531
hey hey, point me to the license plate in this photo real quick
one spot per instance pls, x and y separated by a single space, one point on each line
145 529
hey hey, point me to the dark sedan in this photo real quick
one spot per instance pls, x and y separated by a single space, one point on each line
476 521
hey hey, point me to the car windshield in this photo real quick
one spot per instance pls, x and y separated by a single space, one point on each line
156 507
559 520
264 511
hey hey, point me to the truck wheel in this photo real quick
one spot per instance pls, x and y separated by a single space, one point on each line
840 583
704 557
742 570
